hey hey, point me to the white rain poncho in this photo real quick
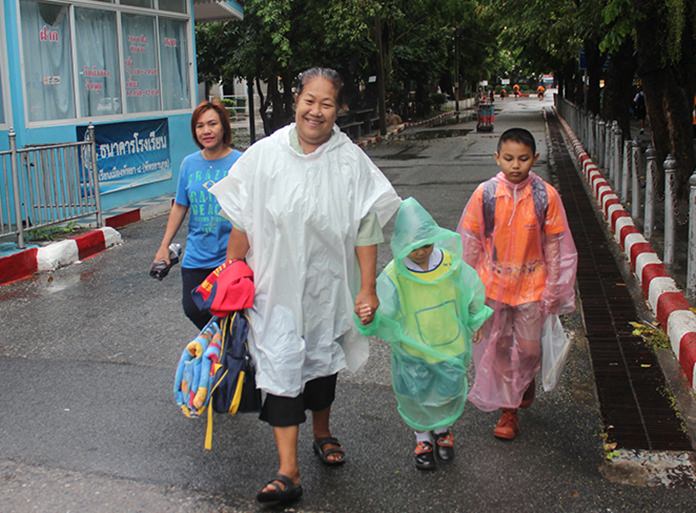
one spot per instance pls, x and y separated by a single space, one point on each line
428 318
301 214
517 238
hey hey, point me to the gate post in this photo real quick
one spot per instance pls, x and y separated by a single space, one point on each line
650 174
15 189
633 153
670 186
92 137
691 259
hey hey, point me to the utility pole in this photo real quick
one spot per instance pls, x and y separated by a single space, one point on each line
457 84
252 114
381 75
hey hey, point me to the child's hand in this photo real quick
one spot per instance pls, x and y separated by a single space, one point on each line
365 314
549 303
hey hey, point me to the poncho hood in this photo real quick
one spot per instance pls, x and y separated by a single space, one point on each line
415 227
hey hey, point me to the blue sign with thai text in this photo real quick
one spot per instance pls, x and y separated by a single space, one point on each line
131 154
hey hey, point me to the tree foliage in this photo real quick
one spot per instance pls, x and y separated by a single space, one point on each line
417 40
419 47
651 40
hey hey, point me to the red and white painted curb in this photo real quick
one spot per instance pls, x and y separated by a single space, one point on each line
660 290
58 254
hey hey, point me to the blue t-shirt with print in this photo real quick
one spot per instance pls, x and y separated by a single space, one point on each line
208 231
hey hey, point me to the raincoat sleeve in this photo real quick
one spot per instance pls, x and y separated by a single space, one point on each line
561 259
370 232
376 192
478 311
234 191
470 228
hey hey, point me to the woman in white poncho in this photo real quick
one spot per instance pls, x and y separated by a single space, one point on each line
307 206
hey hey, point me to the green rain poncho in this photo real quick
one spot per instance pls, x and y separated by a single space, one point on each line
428 318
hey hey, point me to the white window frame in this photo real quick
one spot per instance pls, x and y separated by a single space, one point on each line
124 115
6 123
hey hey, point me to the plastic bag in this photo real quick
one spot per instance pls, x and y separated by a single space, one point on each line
555 347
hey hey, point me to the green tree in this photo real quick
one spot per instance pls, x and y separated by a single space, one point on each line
407 44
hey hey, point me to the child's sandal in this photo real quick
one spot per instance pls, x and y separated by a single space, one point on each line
445 445
425 459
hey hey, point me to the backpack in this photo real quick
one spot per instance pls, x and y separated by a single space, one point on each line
216 372
540 197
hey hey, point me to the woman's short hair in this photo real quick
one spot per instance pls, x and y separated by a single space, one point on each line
326 73
218 107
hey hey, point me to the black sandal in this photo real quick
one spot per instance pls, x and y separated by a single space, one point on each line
279 495
323 455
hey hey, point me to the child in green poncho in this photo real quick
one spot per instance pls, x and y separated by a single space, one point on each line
431 303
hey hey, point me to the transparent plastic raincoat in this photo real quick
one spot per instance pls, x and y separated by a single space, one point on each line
517 238
301 214
428 318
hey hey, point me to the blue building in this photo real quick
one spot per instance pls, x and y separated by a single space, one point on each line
127 66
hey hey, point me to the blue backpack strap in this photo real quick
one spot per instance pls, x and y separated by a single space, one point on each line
541 200
540 196
489 188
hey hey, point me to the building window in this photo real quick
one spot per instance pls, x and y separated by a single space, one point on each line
138 3
99 77
113 62
2 97
175 67
173 5
140 63
47 60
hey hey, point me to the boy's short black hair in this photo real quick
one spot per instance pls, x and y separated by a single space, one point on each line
518 135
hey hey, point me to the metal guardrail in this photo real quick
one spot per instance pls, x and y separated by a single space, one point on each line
48 185
623 164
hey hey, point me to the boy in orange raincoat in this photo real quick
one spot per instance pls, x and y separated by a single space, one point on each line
515 234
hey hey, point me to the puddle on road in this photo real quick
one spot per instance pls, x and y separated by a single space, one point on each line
436 134
402 152
399 156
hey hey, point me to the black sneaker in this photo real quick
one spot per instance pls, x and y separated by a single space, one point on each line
425 458
444 442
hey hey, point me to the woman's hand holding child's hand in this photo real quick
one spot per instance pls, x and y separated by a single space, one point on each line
366 304
476 337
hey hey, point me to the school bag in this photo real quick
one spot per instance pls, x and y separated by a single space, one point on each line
539 194
216 372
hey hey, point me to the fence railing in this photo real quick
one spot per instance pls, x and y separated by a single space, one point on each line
47 185
624 162
237 105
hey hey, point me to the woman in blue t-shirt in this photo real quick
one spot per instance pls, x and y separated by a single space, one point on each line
208 232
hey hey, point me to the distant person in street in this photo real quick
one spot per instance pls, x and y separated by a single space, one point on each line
639 109
503 93
308 207
491 96
431 302
208 232
515 234
516 90
540 91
